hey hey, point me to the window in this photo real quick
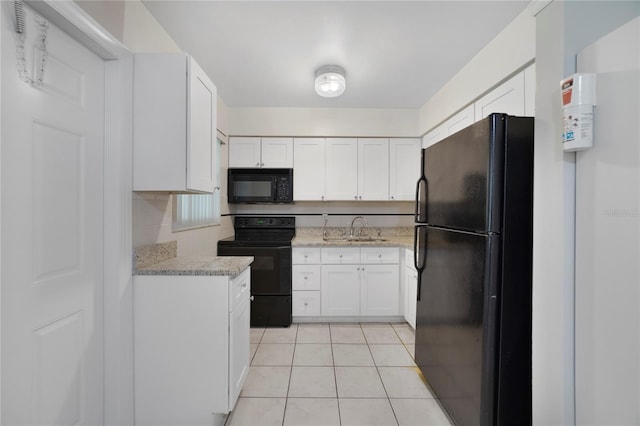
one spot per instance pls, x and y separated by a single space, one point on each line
198 210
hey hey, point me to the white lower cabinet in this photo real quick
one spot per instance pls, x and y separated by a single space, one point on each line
410 279
360 281
191 346
305 275
379 290
340 290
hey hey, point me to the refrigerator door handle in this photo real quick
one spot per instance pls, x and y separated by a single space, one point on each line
417 256
418 214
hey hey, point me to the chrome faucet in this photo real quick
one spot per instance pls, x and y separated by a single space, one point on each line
360 232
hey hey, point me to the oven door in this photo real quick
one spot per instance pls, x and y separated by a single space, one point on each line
270 270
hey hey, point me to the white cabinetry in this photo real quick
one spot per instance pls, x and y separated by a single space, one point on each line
404 168
460 120
256 152
174 114
456 122
309 169
410 288
305 281
341 172
191 340
515 96
357 169
373 169
340 290
507 98
360 281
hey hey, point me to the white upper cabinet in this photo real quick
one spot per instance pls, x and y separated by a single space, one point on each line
174 114
341 171
456 122
434 135
373 169
256 152
515 96
245 152
357 169
309 169
460 120
404 168
507 98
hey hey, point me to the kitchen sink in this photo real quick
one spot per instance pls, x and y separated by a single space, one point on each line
352 239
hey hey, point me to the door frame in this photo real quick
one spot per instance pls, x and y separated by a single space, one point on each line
117 160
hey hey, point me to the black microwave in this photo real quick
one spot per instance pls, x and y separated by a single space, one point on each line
272 186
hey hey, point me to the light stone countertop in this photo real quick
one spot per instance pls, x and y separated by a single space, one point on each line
395 237
161 259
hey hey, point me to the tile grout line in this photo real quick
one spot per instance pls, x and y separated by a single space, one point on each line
380 376
335 375
286 397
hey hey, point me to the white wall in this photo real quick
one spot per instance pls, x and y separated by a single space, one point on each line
553 263
507 53
608 237
323 122
562 29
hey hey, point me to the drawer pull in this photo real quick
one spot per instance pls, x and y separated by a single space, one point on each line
305 277
306 304
244 285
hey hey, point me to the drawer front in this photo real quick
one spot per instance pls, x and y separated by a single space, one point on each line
373 255
340 255
306 277
306 303
305 255
239 288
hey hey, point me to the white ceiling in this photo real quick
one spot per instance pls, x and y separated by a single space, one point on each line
396 54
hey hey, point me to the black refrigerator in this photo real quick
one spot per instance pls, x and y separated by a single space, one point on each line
473 252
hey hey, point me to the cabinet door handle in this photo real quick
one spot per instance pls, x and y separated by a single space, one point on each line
356 197
392 197
305 277
360 197
257 164
322 198
261 164
306 304
252 298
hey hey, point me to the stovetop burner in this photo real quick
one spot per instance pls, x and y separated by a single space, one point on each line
260 230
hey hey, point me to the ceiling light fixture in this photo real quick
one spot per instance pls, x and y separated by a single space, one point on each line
330 81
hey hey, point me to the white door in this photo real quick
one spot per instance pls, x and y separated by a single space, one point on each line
202 107
380 290
507 98
52 233
340 290
460 120
308 169
404 168
341 177
244 152
277 153
373 169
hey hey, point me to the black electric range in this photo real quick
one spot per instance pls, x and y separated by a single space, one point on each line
268 240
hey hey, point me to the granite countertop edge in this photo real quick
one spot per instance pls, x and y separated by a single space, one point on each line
206 265
317 241
162 259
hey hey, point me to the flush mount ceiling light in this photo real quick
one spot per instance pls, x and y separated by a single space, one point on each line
330 81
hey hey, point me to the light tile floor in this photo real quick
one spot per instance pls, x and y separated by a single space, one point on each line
335 375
